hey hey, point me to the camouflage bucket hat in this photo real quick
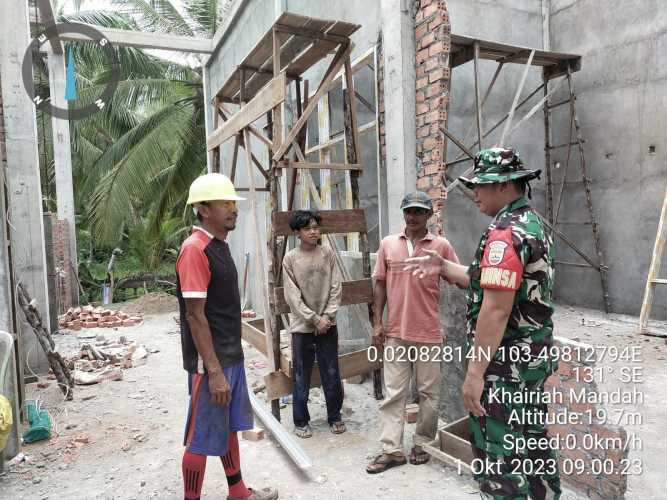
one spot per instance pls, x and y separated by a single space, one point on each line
496 165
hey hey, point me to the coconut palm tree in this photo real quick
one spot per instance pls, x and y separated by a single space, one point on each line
140 153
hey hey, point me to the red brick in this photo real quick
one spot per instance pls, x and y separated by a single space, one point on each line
419 97
430 10
430 143
436 49
423 183
422 55
432 169
422 108
432 63
427 40
421 30
424 131
433 116
435 89
436 74
422 82
421 72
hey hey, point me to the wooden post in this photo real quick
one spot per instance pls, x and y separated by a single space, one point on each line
478 100
215 166
516 99
273 265
654 269
352 156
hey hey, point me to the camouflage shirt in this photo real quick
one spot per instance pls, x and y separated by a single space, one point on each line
516 253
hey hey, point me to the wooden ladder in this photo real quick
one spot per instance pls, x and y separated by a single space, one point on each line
553 209
654 269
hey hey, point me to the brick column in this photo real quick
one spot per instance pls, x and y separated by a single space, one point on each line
432 41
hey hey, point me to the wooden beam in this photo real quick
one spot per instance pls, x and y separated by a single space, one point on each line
319 166
333 221
478 100
339 137
316 35
341 56
254 336
272 95
146 40
516 98
350 365
353 292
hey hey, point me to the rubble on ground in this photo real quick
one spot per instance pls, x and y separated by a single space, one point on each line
77 318
104 360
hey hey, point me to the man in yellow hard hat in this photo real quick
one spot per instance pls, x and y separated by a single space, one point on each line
210 309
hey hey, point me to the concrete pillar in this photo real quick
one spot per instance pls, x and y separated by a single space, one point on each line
399 94
62 157
8 385
208 113
23 176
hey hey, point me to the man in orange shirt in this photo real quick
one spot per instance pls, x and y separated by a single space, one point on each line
413 333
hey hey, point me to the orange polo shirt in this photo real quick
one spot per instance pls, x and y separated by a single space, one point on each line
413 311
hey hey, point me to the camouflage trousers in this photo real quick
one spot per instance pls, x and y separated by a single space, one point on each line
505 469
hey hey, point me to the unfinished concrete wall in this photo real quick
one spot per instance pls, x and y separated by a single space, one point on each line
622 95
253 19
508 21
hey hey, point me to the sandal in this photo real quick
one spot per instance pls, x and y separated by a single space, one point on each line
303 432
338 427
385 461
418 456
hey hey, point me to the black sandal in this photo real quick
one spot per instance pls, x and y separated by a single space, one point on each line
383 462
418 456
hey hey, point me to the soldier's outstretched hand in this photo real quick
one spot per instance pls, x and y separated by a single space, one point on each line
472 394
427 265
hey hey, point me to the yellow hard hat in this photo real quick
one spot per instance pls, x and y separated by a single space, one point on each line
211 187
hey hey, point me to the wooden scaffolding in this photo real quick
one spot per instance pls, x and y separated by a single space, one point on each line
557 69
292 46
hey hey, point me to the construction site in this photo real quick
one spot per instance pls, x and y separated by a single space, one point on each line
110 109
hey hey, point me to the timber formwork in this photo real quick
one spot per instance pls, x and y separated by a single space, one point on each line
292 46
557 69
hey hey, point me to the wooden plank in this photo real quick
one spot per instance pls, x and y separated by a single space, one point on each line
333 221
319 166
516 99
350 365
353 292
338 61
254 336
478 100
315 53
654 269
268 98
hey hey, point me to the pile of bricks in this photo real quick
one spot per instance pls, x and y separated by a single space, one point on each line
95 317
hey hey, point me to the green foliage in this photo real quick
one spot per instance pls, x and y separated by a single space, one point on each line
133 161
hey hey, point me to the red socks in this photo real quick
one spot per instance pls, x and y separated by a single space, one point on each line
193 474
194 467
232 464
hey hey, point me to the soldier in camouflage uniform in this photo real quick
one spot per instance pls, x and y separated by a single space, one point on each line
509 309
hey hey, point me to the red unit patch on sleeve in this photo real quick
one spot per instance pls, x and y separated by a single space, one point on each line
501 266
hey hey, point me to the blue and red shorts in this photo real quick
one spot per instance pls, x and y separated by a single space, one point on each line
209 424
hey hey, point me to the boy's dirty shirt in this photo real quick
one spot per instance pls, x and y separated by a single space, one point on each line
312 287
